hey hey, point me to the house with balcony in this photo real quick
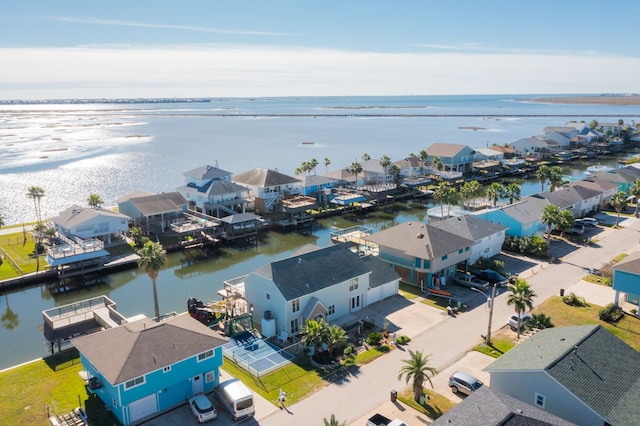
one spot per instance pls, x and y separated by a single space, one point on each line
626 280
521 219
411 167
210 191
532 146
143 368
268 188
454 157
562 135
317 186
424 255
154 213
328 283
583 374
90 223
487 237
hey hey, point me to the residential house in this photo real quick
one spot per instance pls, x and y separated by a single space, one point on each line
562 135
579 200
604 188
210 191
422 254
507 151
88 223
488 237
317 186
240 226
583 374
488 154
626 280
143 368
374 171
454 157
532 146
344 177
314 283
268 188
410 167
612 129
522 218
153 212
487 407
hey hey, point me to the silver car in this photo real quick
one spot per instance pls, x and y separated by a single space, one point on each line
464 383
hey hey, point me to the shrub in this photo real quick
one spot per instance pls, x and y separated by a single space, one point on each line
403 340
374 338
573 299
611 313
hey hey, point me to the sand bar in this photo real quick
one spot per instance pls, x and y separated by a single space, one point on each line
599 100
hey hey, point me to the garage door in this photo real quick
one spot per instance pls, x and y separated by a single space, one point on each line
143 407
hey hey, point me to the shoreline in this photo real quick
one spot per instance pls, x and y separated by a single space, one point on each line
596 100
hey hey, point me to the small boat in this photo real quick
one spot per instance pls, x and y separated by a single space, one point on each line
598 168
308 143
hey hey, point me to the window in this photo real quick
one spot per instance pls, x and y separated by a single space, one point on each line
466 249
134 382
331 310
210 377
268 296
295 327
444 257
205 355
460 251
166 369
539 401
353 284
295 305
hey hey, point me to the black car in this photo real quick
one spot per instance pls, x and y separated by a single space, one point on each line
492 276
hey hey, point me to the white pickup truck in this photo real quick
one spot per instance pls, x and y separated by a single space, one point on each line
380 420
469 280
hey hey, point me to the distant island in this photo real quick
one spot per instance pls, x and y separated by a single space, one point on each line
604 99
103 101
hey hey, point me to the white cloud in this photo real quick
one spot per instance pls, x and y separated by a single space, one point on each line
221 71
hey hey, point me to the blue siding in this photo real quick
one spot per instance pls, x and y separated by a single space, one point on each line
626 282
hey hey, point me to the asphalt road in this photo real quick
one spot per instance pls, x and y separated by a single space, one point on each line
450 339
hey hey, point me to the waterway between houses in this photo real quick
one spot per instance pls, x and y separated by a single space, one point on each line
21 310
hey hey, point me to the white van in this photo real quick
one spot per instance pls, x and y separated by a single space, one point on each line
236 398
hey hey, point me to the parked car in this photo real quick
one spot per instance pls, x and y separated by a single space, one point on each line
525 317
471 281
490 275
589 221
464 383
576 229
202 408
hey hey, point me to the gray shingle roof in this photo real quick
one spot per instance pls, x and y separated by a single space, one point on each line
166 202
470 227
590 362
526 211
420 240
263 178
307 273
488 407
143 346
629 264
207 172
214 187
381 271
76 215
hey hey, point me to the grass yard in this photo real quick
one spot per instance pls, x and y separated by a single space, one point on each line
14 246
435 406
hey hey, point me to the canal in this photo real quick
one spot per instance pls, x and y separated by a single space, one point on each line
21 310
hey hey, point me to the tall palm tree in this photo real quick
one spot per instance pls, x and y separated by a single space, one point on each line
634 190
550 217
94 200
327 162
451 197
417 368
521 298
333 421
494 191
423 157
366 157
36 193
438 164
394 171
555 178
314 333
619 202
355 169
565 221
313 163
542 174
512 192
440 194
335 336
385 162
152 258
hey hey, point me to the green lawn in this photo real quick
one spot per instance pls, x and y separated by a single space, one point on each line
18 249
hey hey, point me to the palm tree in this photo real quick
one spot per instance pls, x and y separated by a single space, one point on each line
366 157
542 174
550 217
540 321
521 298
385 162
451 197
333 422
619 202
312 165
327 162
314 333
470 189
152 258
36 193
423 157
512 192
1 220
417 369
335 336
394 171
437 163
355 169
565 221
494 191
94 200
440 194
633 190
555 177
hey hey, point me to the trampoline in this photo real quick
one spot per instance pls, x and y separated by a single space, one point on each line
256 355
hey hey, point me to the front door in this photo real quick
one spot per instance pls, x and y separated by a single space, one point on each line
196 384
355 303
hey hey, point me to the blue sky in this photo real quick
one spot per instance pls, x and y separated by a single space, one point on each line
210 48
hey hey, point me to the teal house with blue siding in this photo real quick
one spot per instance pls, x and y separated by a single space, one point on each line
626 280
143 368
522 218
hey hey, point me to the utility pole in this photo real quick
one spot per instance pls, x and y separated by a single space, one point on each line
487 338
